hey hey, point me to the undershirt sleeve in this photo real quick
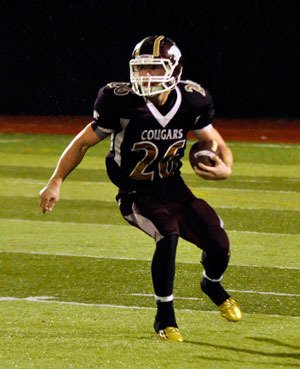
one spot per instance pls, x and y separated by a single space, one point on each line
206 128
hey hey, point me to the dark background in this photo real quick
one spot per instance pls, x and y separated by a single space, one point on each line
56 54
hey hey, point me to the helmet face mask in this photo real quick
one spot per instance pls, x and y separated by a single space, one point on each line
155 52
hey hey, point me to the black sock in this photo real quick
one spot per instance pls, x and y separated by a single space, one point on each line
165 316
163 265
214 291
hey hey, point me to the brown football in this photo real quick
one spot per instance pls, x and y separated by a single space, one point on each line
202 151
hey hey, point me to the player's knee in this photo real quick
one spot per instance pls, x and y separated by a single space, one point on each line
166 225
166 236
219 242
215 262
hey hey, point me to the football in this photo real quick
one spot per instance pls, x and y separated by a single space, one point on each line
202 151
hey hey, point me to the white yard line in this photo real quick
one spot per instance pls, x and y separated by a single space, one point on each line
58 222
132 259
265 266
71 255
50 300
254 208
266 145
266 293
242 190
126 225
111 200
2 140
238 291
40 182
204 188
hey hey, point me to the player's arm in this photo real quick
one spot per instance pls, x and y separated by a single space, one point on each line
69 160
223 164
204 130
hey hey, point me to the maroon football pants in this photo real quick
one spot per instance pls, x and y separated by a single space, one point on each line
177 212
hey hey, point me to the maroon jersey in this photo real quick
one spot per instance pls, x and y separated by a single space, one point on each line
149 141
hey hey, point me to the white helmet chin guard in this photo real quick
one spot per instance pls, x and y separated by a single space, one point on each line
155 51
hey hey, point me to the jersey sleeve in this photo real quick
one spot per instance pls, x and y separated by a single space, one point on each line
205 112
105 116
200 104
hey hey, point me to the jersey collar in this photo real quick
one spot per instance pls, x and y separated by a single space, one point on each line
163 120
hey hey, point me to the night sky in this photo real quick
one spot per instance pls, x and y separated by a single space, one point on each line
56 54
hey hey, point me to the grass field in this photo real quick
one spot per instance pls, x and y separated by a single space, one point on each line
75 286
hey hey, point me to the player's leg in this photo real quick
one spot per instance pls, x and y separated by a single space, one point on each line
154 219
163 273
201 225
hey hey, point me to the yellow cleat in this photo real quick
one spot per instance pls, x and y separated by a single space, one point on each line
230 310
170 334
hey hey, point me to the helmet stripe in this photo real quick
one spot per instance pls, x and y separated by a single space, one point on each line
157 45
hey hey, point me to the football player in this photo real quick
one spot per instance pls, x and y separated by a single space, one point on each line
148 121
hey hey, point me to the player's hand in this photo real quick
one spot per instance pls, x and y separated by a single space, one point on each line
49 196
219 171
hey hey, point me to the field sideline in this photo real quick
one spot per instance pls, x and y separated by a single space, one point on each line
75 286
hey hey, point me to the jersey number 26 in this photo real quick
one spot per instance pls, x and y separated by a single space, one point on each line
166 166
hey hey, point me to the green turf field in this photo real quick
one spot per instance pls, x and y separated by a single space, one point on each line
75 286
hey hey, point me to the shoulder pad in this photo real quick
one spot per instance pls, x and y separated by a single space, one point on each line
119 88
191 86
